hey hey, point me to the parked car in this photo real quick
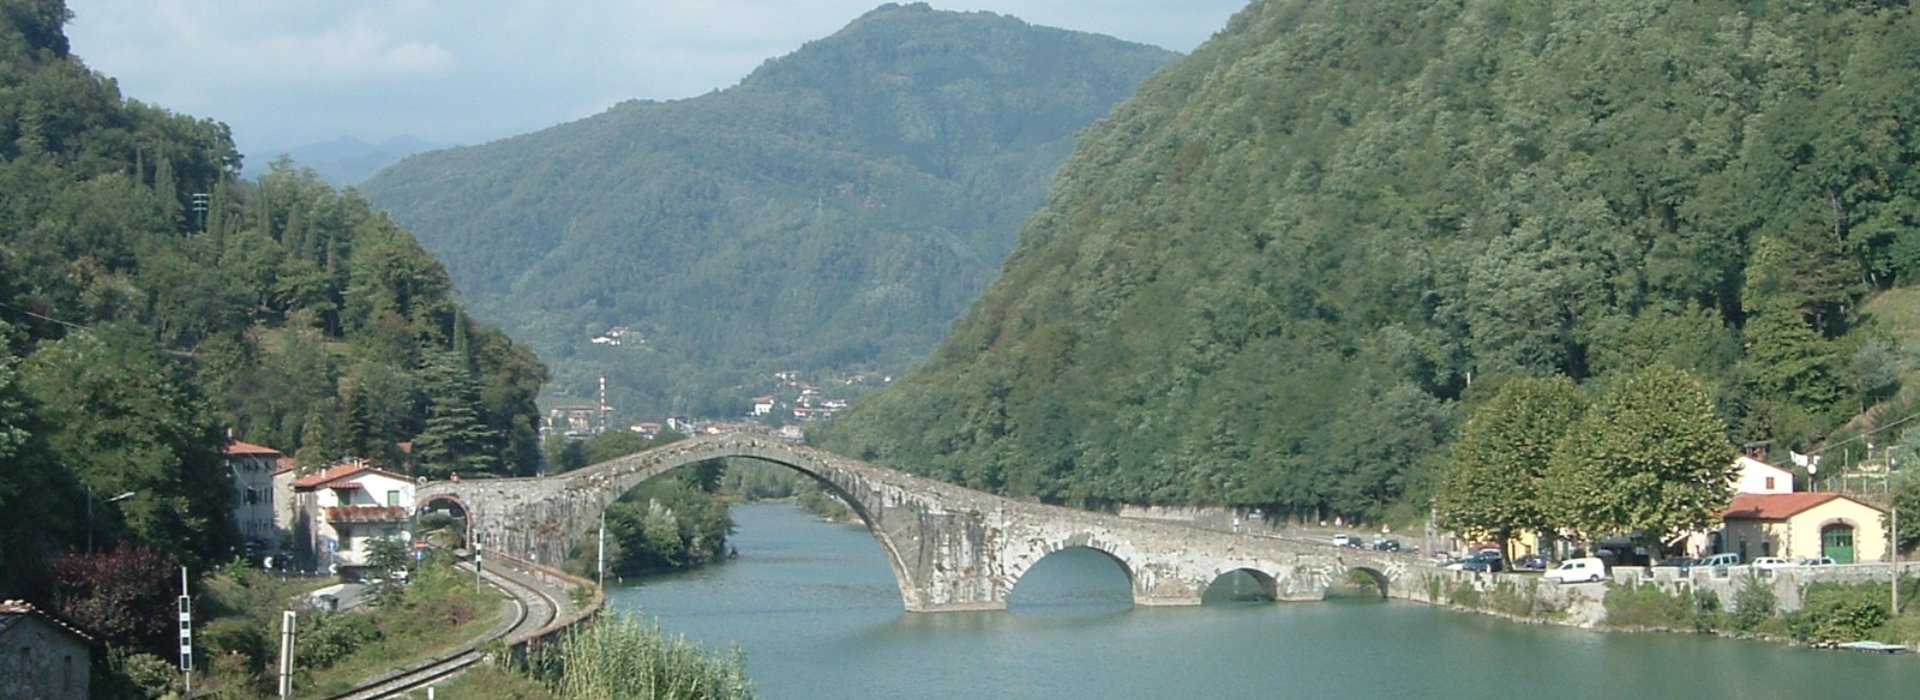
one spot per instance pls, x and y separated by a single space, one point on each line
1815 561
1684 564
1531 562
1770 563
1387 545
1490 565
1719 562
1578 570
1484 560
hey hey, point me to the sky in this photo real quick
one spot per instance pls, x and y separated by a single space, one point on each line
287 73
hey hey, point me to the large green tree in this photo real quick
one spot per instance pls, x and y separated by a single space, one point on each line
1495 478
1649 458
123 415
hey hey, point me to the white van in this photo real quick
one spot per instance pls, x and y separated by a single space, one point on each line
1577 570
1718 562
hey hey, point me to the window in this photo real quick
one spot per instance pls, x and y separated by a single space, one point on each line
1769 483
393 498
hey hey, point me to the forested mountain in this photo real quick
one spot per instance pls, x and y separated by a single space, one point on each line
138 329
1282 274
835 210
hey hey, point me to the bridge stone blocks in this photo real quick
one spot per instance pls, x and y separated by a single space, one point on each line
951 548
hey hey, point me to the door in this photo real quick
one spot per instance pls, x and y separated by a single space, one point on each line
1836 541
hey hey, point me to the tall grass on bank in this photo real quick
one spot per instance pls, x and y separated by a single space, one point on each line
621 657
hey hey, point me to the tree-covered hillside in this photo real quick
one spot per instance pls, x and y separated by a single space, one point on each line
1283 273
140 328
836 210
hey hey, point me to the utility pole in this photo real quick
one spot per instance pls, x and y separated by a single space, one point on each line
186 632
603 551
286 652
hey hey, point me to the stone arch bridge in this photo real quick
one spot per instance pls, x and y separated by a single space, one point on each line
951 548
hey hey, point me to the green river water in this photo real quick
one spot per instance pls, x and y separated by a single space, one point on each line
815 612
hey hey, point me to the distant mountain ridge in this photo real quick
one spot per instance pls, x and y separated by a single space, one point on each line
344 161
834 211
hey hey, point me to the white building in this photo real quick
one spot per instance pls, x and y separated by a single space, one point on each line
342 510
252 467
1754 476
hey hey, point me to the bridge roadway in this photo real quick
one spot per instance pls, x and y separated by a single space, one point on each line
951 548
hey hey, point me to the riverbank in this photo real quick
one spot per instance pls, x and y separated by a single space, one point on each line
1808 608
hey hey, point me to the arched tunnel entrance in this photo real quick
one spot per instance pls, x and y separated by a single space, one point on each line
442 521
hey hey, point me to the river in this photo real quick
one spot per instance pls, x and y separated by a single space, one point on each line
814 610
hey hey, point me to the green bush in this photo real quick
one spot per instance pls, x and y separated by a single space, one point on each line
326 637
1646 606
1834 612
1464 595
1754 605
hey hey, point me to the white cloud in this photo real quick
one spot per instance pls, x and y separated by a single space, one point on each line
288 72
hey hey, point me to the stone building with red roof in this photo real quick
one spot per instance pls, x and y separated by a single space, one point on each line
1803 524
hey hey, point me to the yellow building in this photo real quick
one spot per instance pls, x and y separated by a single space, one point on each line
1806 524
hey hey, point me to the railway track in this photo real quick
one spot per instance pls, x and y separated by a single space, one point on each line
535 609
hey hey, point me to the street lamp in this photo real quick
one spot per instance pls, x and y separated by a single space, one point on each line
115 499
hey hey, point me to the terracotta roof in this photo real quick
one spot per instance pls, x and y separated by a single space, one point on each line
11 611
366 514
285 464
319 479
1775 506
247 448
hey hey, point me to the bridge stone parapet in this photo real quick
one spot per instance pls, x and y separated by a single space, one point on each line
951 548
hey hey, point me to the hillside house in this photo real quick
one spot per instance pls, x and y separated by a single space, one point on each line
1807 524
252 468
1754 476
762 405
342 510
42 656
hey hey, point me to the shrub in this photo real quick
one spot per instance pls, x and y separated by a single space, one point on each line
1754 605
1646 606
1839 612
1464 595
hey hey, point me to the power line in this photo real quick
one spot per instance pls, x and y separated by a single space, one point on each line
42 316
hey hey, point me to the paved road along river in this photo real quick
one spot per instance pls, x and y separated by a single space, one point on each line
815 612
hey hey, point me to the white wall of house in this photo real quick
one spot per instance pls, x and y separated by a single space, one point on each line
1755 476
254 497
381 506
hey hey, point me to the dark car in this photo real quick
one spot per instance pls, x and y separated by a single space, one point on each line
1487 564
1387 545
1532 562
1684 564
